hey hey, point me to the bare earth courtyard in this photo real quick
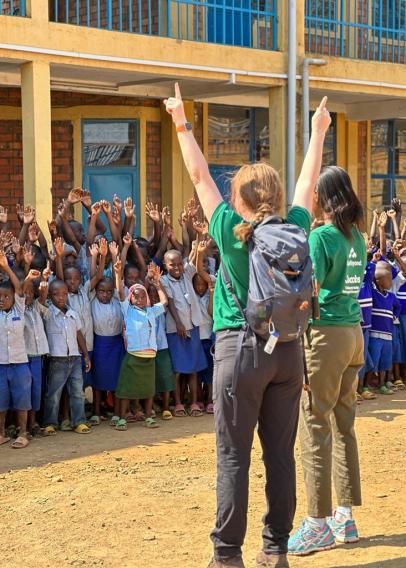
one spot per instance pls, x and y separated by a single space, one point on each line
147 498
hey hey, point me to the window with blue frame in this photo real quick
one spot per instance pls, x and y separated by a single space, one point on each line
237 136
326 10
388 162
330 142
389 16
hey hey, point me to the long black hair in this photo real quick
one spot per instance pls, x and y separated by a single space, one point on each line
338 200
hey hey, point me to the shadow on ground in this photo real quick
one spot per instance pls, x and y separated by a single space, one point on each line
65 446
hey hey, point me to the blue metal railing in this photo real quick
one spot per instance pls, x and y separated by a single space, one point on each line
247 23
12 8
361 29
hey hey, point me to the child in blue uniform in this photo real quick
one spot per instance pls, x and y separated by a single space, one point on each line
137 374
385 307
15 375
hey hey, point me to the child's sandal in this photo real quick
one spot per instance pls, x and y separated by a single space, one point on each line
179 411
48 431
122 425
114 421
195 411
151 423
166 415
82 429
94 420
210 408
20 442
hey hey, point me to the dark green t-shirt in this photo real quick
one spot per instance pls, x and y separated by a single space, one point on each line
234 254
338 265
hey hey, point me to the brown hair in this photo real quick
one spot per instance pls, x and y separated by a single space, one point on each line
259 187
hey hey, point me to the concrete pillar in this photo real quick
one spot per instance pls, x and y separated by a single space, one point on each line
352 152
177 188
37 152
277 133
37 9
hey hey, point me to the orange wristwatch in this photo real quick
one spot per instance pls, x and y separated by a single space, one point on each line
184 127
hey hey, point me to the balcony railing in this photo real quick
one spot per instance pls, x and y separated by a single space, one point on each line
12 8
245 23
361 29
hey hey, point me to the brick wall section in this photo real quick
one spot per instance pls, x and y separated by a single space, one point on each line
62 161
11 165
362 163
153 155
11 169
12 97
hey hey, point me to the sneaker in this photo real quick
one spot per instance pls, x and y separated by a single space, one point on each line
267 560
343 531
367 394
308 539
235 562
384 390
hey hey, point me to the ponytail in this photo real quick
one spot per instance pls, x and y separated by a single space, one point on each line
245 230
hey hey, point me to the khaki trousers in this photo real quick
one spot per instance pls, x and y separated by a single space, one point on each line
326 424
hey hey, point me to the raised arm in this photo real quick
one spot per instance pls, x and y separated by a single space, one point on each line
87 204
118 279
13 278
375 215
207 191
395 226
382 235
310 172
3 218
58 246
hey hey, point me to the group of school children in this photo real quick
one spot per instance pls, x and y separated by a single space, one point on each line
126 320
382 300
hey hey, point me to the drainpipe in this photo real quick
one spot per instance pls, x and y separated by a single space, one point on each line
305 100
291 134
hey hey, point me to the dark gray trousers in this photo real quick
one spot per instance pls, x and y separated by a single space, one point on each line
268 395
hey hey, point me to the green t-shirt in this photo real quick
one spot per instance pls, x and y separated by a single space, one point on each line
234 254
338 265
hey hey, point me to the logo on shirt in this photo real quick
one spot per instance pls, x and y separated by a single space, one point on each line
352 259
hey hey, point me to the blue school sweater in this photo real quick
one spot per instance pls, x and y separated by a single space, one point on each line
385 308
365 295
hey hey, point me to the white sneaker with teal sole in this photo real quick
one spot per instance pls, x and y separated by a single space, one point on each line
309 538
343 531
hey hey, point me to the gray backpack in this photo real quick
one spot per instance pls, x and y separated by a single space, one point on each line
280 281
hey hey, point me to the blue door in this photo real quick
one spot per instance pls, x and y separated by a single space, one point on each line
229 23
110 161
222 177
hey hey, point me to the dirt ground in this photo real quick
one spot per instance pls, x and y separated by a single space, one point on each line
147 497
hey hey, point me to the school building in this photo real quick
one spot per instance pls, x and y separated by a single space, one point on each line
82 84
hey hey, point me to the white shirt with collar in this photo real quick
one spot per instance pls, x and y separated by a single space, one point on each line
36 341
186 302
12 344
107 318
80 303
61 329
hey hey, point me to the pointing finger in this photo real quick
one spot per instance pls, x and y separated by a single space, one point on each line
177 92
323 103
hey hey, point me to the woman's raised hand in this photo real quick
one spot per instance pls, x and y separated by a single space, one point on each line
321 119
174 106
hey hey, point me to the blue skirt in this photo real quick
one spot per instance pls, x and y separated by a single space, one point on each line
187 354
402 319
108 354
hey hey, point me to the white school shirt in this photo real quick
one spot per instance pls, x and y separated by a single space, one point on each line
107 318
185 299
61 329
206 327
12 344
36 341
80 302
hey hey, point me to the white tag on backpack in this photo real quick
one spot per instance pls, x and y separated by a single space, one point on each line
272 341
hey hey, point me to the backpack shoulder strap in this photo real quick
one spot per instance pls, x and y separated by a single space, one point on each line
227 281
